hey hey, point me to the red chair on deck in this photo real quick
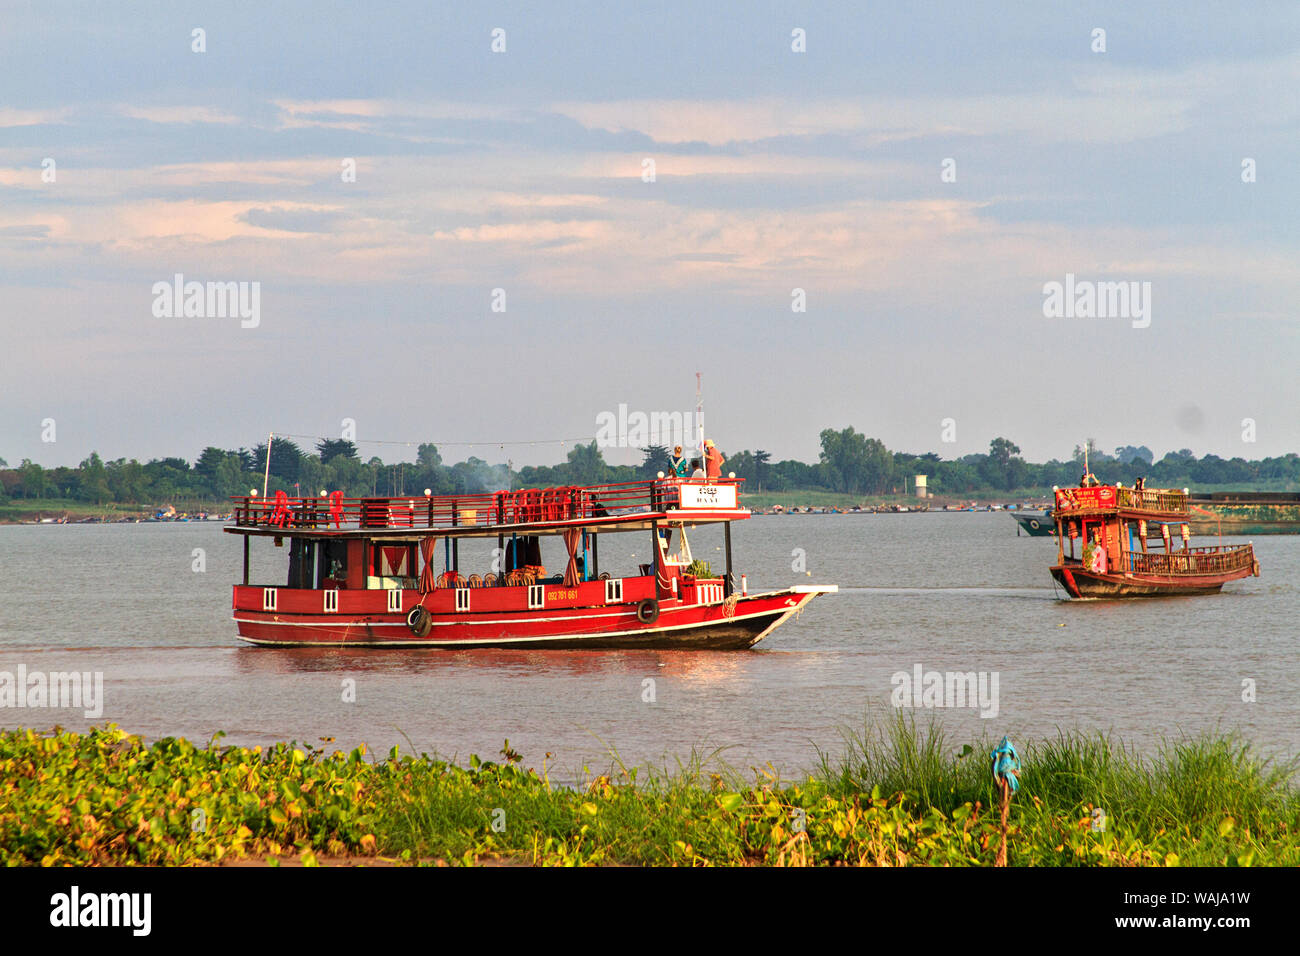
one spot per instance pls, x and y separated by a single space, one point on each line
280 515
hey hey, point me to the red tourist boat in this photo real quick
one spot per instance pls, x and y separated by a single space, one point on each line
1115 525
365 571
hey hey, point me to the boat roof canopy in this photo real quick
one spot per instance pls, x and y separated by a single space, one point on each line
1098 500
631 506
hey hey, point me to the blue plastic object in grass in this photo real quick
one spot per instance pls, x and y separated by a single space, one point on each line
1006 764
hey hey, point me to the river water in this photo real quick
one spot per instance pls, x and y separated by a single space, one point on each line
149 607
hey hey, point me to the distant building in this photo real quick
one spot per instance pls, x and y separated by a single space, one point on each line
921 490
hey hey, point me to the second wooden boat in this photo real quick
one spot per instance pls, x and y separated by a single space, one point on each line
1115 526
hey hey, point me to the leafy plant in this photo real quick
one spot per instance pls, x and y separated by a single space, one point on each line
699 569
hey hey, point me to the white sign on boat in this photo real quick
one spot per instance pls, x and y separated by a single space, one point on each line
708 496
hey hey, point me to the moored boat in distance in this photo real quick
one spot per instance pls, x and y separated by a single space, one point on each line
1116 524
1035 523
363 571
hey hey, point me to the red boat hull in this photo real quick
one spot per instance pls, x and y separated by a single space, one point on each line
1080 583
721 625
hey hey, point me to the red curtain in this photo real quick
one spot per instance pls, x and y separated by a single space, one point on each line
427 580
572 538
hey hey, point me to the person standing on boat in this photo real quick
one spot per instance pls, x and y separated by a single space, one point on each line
713 460
696 470
679 462
1094 558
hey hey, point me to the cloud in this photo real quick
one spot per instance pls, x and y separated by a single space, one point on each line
1092 117
1103 104
377 115
14 117
179 114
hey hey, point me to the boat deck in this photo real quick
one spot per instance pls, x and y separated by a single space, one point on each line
630 506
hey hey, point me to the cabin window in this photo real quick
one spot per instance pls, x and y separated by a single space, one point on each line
269 598
302 563
613 590
682 558
523 552
331 602
536 596
332 564
393 564
393 560
395 601
462 599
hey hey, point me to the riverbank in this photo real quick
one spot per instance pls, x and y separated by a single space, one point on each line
895 796
69 511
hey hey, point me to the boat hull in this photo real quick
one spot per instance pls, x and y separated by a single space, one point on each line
1035 525
1080 583
717 626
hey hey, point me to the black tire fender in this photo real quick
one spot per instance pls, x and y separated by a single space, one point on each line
647 612
419 620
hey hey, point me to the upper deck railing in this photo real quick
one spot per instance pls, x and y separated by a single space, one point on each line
1155 499
1212 560
527 506
1111 497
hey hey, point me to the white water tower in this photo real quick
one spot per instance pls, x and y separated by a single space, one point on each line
921 491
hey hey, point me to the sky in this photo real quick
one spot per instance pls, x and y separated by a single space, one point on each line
503 269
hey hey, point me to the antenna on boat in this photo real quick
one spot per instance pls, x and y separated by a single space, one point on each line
267 476
699 413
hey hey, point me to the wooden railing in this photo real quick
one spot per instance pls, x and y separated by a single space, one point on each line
1156 499
497 508
1215 560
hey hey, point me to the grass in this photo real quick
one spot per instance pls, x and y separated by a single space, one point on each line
27 509
896 794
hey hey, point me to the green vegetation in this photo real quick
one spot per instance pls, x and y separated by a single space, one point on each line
897 796
852 468
25 509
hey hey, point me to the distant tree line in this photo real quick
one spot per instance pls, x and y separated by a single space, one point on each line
850 462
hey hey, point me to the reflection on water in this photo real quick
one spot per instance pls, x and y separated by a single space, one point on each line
955 592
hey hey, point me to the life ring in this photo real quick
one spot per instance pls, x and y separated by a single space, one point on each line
420 621
1254 568
1033 523
647 612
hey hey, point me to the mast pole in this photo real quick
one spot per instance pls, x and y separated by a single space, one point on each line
266 477
699 416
